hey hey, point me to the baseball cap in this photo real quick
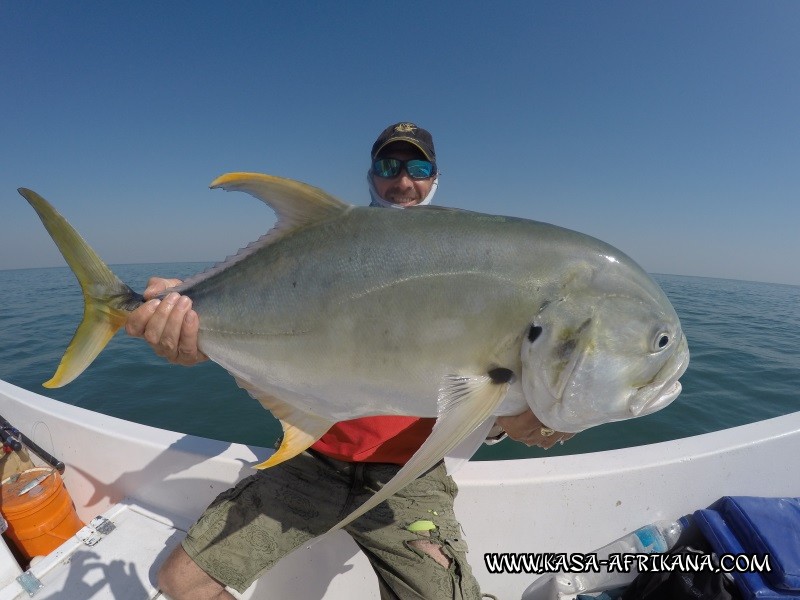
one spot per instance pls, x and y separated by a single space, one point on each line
405 132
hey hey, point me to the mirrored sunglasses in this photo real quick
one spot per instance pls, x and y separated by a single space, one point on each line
391 167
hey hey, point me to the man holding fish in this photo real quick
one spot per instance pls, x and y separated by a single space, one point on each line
413 540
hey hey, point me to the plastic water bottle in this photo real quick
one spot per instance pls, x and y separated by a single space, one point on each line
660 536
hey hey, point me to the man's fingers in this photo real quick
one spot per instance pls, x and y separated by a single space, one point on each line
188 353
547 442
172 333
158 285
167 323
157 323
528 429
138 319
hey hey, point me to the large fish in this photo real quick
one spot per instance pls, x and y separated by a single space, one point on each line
342 312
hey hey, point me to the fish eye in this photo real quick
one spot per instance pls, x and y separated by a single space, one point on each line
661 341
534 332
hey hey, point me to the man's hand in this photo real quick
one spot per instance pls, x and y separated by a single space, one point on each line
170 325
529 430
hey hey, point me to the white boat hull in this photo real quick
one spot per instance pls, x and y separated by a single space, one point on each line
560 504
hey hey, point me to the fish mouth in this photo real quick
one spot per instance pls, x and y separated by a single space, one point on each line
652 397
668 393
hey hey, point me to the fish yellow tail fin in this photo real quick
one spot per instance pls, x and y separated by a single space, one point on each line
107 300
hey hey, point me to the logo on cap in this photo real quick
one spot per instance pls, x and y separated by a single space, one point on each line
405 128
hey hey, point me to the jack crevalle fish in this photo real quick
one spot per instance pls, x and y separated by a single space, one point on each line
341 312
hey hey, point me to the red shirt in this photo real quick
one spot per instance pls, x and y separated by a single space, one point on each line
389 439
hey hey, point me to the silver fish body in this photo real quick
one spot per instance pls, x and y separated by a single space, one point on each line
369 312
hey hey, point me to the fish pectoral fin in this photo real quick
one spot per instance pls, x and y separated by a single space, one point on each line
300 428
460 454
464 404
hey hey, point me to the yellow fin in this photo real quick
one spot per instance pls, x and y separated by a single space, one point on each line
300 429
295 203
297 438
464 404
98 326
107 300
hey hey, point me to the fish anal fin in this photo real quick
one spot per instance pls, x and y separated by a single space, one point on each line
297 437
300 428
465 402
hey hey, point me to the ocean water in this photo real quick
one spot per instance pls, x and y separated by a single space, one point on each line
744 339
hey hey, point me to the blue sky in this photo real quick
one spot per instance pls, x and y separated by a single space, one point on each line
668 129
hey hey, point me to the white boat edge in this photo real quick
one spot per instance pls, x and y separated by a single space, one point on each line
549 505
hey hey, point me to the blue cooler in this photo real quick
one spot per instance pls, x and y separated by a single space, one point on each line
761 526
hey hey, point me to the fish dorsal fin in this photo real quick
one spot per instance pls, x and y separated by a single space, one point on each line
300 429
464 404
296 205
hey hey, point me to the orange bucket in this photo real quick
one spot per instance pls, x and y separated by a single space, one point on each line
41 519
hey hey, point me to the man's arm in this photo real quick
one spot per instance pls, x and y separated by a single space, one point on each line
170 325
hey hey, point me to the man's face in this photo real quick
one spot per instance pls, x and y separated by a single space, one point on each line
402 190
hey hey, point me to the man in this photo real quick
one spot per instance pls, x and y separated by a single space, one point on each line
413 540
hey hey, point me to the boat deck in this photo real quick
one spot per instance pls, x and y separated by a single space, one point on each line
115 557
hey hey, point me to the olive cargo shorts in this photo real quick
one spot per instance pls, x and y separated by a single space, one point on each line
248 528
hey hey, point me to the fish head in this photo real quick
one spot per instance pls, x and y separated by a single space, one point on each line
607 350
